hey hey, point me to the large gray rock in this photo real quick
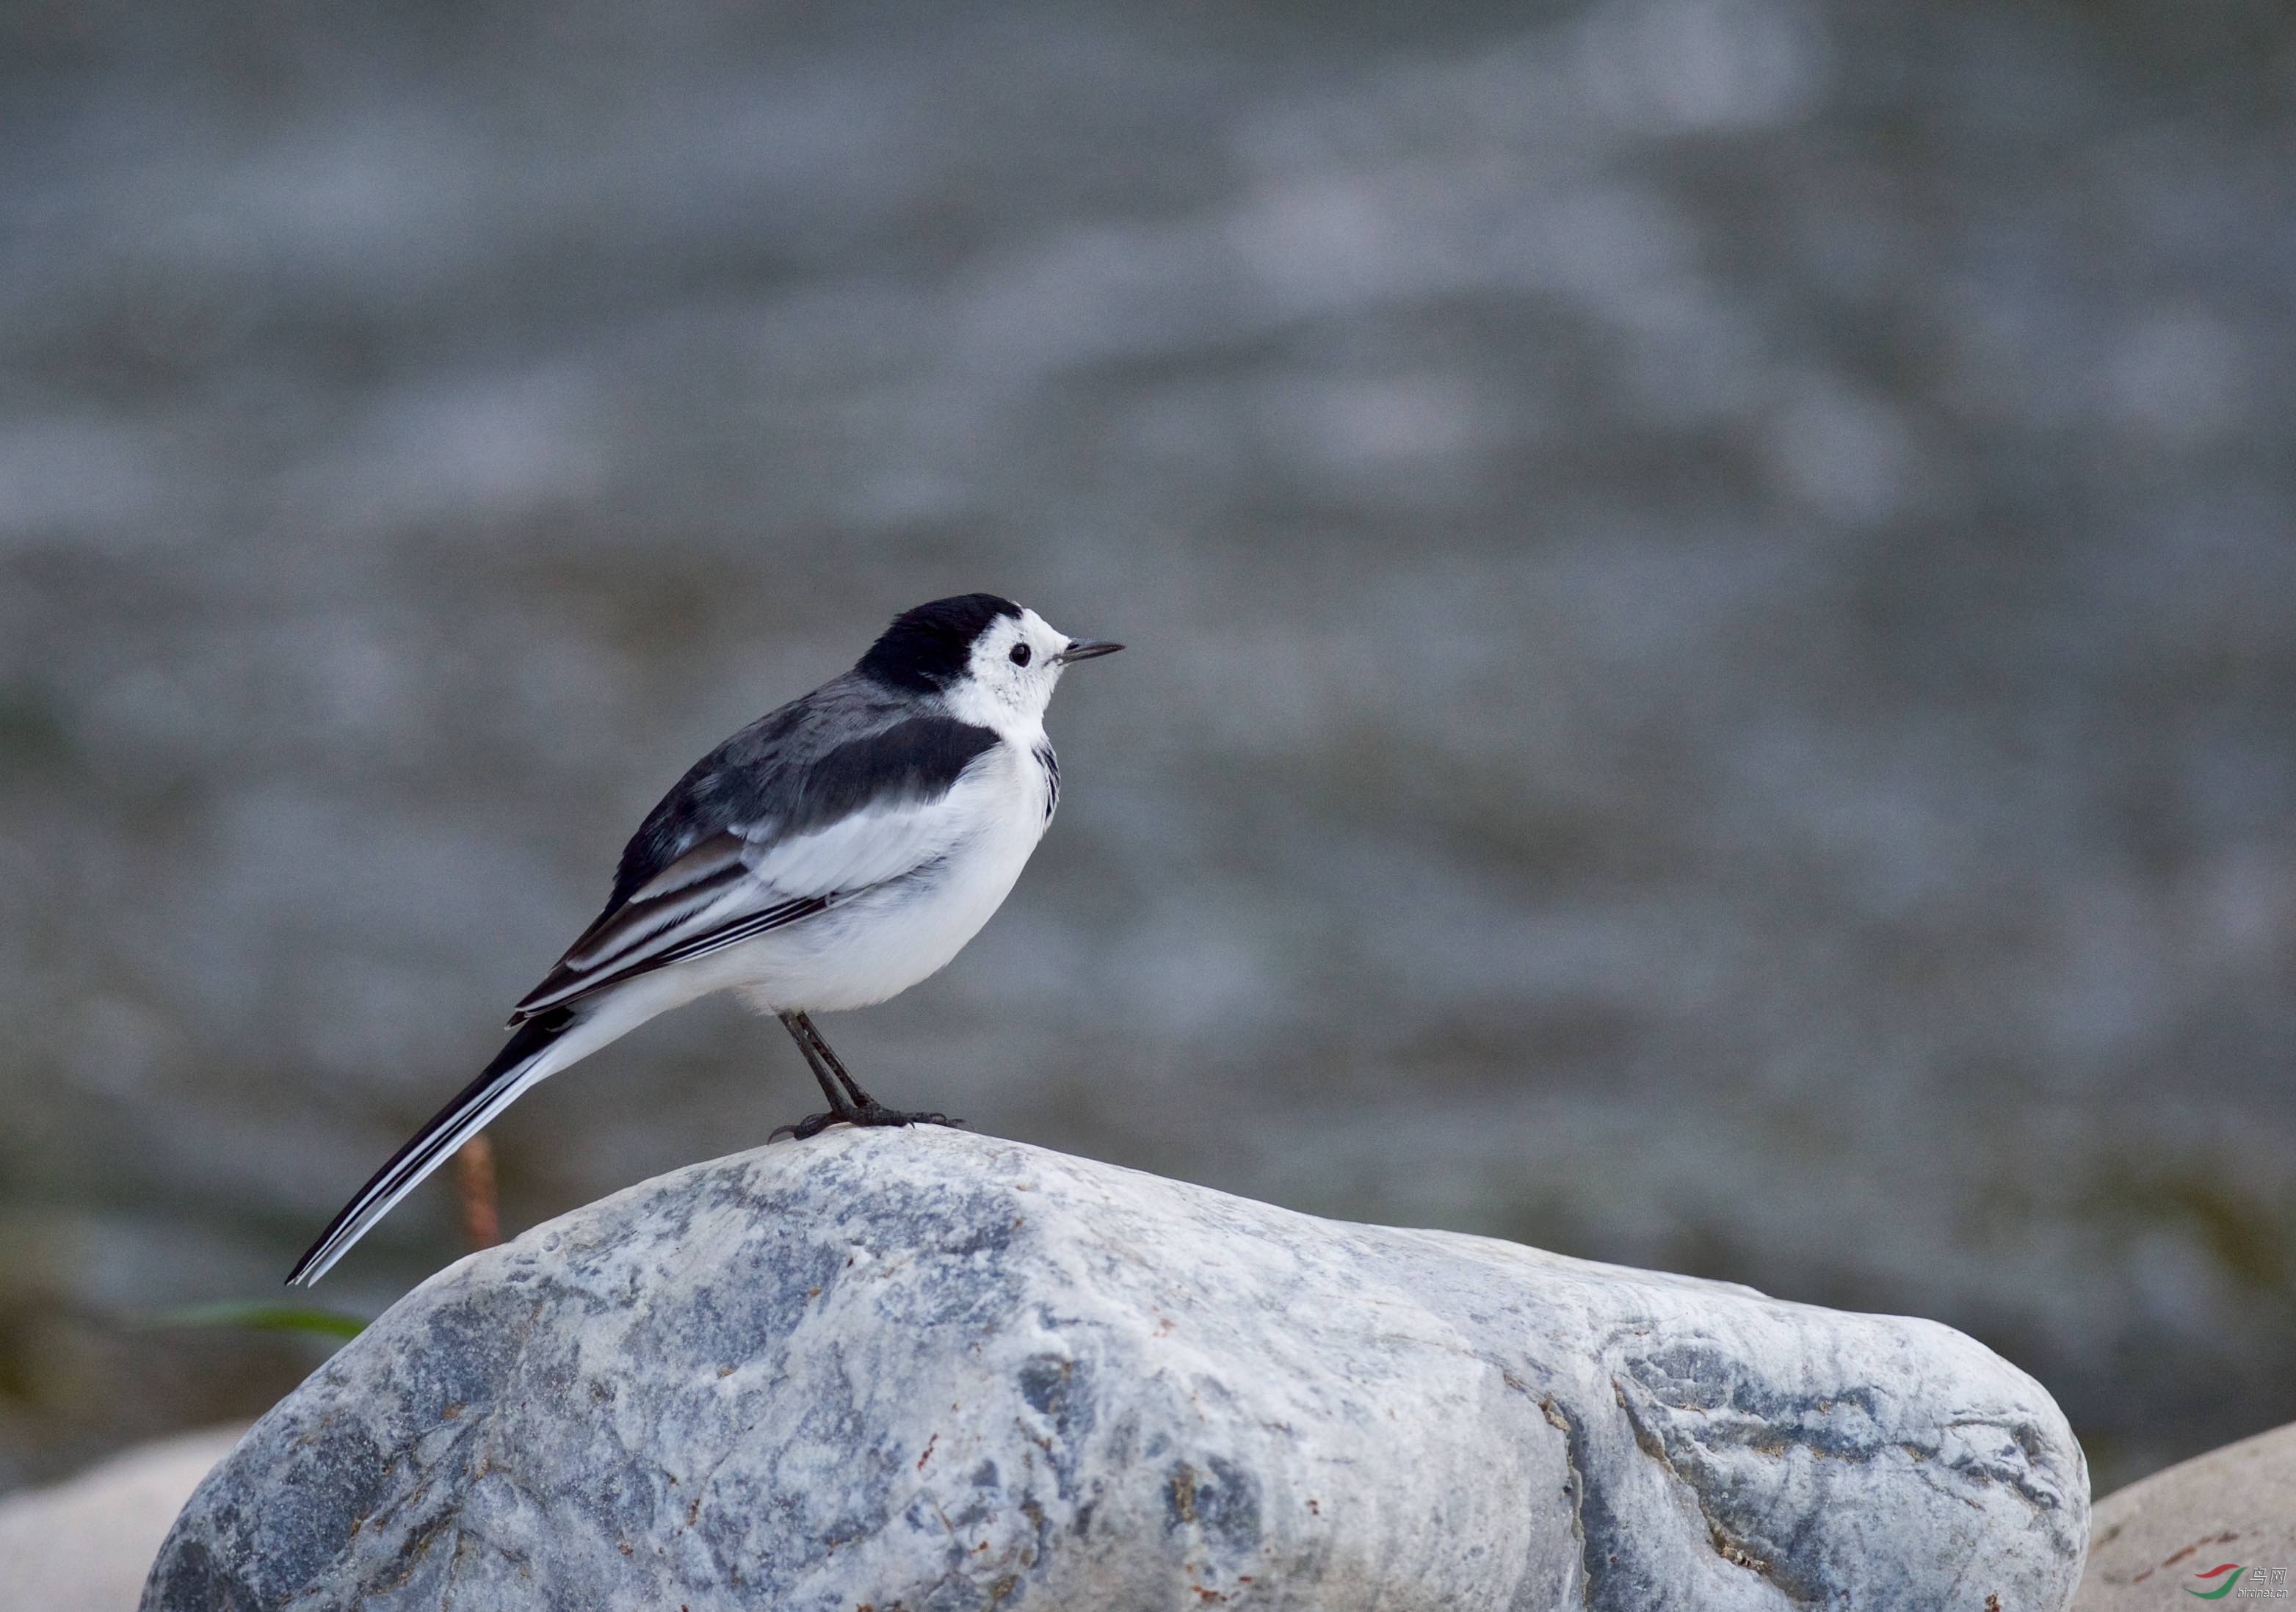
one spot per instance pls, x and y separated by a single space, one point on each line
929 1370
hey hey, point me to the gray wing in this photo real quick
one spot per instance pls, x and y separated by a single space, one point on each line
827 797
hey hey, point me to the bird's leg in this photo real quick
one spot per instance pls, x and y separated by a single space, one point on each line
853 1106
818 1049
789 1022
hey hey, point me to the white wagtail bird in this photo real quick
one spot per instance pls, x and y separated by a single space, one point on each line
830 855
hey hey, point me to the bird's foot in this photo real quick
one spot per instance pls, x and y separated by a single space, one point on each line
870 1114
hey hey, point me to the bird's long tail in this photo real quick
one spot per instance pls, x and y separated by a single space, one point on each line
543 1045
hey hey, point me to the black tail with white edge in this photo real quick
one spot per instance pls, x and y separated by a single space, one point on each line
524 1059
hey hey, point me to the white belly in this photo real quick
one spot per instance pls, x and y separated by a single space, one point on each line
882 941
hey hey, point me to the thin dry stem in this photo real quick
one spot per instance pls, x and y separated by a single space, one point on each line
474 1189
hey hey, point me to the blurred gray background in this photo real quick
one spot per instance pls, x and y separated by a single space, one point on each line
1712 584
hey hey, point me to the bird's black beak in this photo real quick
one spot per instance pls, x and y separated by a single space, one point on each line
1085 648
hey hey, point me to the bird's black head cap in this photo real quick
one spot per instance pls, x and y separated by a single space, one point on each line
927 649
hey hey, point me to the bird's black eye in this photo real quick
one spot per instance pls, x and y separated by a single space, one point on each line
1020 654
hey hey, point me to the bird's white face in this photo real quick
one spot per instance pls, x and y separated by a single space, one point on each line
1010 678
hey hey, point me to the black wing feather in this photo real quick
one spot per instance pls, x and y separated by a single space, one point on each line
850 746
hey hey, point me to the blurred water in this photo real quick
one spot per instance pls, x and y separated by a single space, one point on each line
1710 587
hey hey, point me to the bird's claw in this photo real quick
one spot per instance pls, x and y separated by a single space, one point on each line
812 1124
875 1115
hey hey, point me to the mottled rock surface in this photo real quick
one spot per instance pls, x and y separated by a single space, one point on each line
930 1370
2237 1504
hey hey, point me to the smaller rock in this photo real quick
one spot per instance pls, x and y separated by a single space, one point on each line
84 1546
2237 1504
